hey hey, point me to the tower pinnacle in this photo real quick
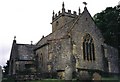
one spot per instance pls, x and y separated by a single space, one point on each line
79 11
53 12
53 15
63 8
63 5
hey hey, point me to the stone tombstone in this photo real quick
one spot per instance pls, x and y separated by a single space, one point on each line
68 73
96 76
84 75
0 74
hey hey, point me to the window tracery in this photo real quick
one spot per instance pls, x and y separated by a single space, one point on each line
88 48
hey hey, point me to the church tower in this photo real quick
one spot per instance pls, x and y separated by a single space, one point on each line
63 17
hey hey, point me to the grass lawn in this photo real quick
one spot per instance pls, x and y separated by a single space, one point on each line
111 78
8 80
49 80
104 79
46 80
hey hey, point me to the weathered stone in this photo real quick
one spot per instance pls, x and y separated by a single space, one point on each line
75 43
84 75
68 73
96 76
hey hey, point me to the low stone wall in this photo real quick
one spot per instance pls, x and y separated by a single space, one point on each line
37 76
26 77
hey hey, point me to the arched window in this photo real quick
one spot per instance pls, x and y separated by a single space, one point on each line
88 48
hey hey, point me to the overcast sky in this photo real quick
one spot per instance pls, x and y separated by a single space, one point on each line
29 20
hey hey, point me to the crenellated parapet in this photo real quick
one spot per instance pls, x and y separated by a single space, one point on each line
63 12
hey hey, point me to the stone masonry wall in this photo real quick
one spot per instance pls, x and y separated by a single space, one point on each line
83 26
112 57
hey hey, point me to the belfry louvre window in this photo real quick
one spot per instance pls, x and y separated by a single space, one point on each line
88 48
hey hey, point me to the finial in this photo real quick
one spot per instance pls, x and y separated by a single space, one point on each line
53 15
14 41
63 8
31 42
14 37
63 5
58 12
56 15
53 12
85 3
79 11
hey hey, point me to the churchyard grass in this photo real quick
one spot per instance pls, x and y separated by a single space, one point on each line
8 80
104 79
51 80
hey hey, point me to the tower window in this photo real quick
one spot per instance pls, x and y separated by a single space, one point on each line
88 48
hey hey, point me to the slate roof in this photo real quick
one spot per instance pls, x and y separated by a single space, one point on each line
25 51
22 51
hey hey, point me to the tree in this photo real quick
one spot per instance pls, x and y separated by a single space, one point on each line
6 68
108 21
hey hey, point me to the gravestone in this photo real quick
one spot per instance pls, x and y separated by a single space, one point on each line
0 74
84 75
96 76
68 73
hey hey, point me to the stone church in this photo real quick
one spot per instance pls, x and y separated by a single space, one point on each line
74 48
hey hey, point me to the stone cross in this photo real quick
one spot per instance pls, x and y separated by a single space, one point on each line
0 74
